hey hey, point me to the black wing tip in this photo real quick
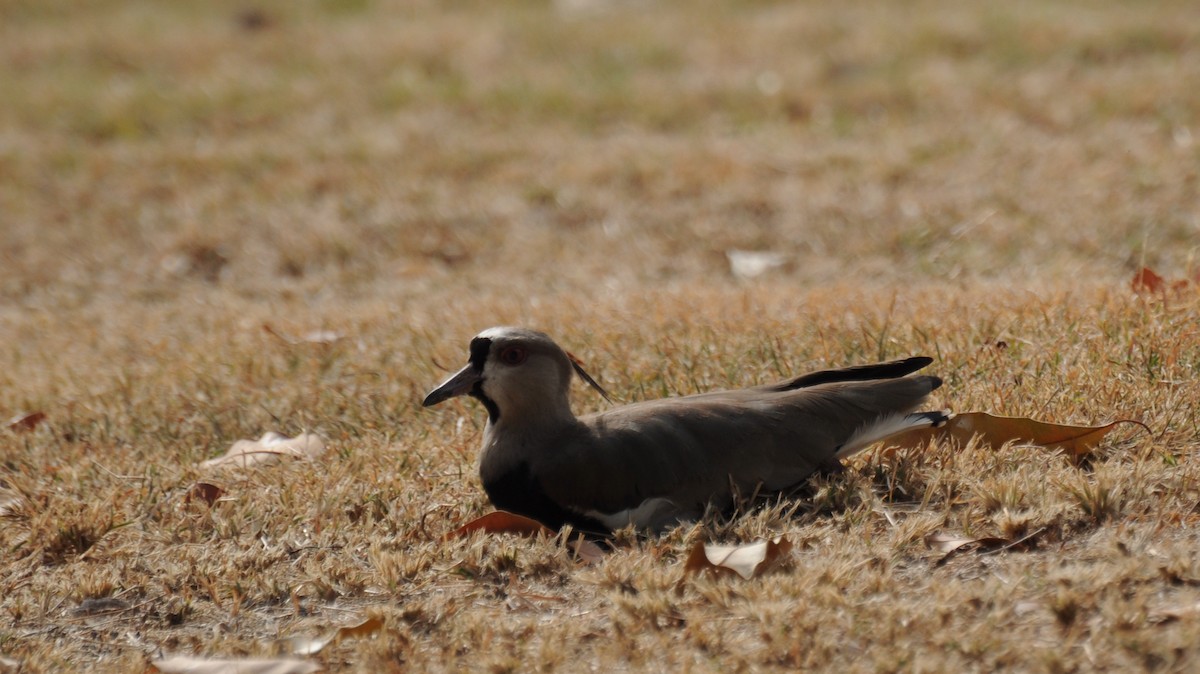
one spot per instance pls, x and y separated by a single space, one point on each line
935 382
936 418
893 369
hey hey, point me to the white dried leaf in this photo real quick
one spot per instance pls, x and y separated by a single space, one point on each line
268 449
749 264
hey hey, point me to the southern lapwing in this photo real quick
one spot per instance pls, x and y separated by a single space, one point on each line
653 464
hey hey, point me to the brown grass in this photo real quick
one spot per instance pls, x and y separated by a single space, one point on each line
941 178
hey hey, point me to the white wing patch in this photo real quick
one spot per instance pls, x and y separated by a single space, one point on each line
654 514
886 427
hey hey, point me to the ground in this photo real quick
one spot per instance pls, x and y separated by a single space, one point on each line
221 219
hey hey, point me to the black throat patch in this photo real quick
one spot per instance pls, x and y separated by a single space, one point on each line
480 346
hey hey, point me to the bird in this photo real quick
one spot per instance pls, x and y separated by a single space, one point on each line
658 463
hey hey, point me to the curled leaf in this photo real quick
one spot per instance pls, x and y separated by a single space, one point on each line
204 492
26 422
747 561
952 544
753 263
995 431
268 449
303 646
1147 282
502 522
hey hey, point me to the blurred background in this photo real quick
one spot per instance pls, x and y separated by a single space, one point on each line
333 150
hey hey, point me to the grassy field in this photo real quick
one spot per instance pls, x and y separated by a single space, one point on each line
188 190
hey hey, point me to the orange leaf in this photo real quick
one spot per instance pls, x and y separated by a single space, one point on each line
1145 281
502 522
995 431
26 422
203 491
747 560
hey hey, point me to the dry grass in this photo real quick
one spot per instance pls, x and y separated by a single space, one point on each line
942 177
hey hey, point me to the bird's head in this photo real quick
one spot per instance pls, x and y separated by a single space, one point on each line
514 371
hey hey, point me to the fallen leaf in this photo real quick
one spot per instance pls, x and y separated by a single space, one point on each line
203 491
303 646
995 431
7 664
952 544
268 449
182 664
501 522
586 551
26 422
749 264
747 560
1147 282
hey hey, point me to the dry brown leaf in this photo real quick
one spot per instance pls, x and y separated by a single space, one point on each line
203 491
747 561
952 544
995 431
268 449
303 646
8 664
502 522
26 422
1147 282
182 664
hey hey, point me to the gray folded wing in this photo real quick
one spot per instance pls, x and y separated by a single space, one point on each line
692 450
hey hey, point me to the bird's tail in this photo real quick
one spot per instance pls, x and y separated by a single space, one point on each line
889 426
889 370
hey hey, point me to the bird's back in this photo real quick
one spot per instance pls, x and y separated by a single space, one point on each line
688 449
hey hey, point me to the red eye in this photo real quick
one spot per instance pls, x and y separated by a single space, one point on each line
513 355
